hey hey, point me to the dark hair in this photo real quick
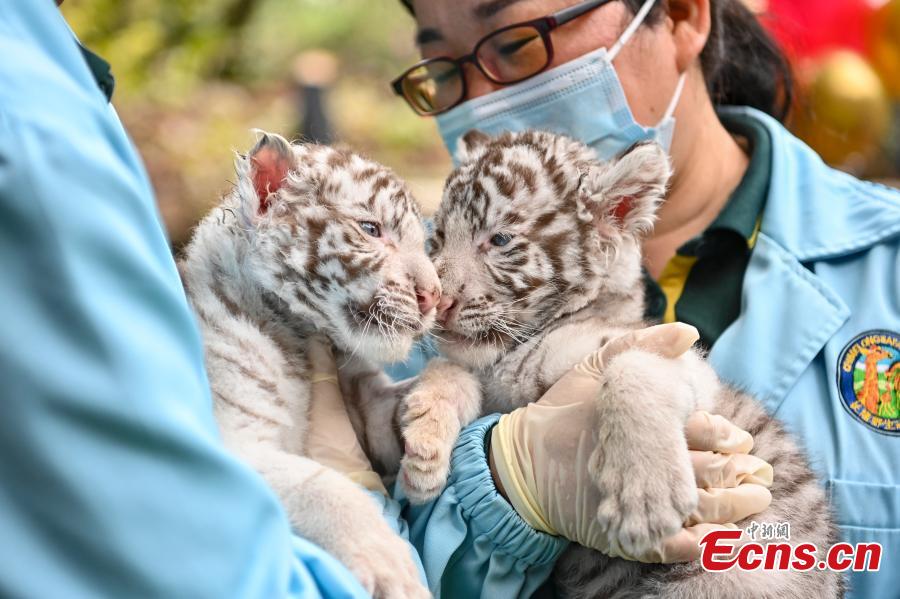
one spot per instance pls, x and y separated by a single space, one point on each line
742 64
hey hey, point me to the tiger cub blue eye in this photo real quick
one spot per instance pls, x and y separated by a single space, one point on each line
370 228
501 239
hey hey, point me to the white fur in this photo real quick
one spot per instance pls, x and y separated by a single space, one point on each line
261 281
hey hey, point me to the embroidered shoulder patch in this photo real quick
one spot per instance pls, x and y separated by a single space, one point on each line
868 379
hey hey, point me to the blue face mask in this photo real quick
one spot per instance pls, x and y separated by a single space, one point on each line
582 99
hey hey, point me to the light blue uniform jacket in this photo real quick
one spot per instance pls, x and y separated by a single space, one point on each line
825 269
113 481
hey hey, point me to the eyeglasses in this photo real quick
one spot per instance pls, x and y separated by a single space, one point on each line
506 56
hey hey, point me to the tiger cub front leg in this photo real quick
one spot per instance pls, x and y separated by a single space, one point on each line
641 464
445 398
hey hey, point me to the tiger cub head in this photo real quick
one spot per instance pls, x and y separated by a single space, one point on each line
533 226
339 240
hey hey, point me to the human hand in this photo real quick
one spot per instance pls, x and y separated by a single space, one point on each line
331 440
541 454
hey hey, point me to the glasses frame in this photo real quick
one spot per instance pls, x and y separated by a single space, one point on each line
543 25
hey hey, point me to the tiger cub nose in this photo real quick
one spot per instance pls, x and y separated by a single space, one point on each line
426 299
444 307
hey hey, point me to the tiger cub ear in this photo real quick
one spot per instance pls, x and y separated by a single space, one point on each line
622 195
468 143
269 162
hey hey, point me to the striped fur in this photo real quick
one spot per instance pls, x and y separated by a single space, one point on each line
567 280
263 274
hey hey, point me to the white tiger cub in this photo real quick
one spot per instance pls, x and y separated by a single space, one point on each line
311 239
538 247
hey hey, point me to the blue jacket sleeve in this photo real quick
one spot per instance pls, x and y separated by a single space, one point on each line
114 480
472 542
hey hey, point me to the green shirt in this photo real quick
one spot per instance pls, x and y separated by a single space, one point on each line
701 285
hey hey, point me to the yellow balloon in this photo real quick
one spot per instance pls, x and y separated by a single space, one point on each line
884 45
845 110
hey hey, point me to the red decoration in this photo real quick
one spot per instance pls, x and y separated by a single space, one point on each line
808 28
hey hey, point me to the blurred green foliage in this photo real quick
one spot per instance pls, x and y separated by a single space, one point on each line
194 77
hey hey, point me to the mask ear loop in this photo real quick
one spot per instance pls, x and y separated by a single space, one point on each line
673 103
623 39
632 27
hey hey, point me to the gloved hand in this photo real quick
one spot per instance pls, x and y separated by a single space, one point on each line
331 440
540 454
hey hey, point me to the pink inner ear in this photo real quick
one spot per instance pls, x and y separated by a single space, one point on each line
623 208
269 171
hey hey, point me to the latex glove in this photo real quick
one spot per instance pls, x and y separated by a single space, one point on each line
731 483
331 440
540 454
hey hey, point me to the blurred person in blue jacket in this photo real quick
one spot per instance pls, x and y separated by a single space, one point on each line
115 480
790 270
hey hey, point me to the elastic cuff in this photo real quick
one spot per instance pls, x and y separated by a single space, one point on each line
486 511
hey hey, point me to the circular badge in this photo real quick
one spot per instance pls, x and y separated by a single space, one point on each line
868 379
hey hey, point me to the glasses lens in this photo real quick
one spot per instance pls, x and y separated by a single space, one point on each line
513 54
433 87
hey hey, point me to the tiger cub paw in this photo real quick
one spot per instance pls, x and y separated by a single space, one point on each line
430 428
645 508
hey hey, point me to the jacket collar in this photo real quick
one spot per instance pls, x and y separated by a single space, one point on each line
815 212
787 316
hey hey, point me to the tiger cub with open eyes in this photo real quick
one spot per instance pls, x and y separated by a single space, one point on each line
312 239
538 247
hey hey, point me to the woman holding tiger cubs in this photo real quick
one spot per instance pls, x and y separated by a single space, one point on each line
789 270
